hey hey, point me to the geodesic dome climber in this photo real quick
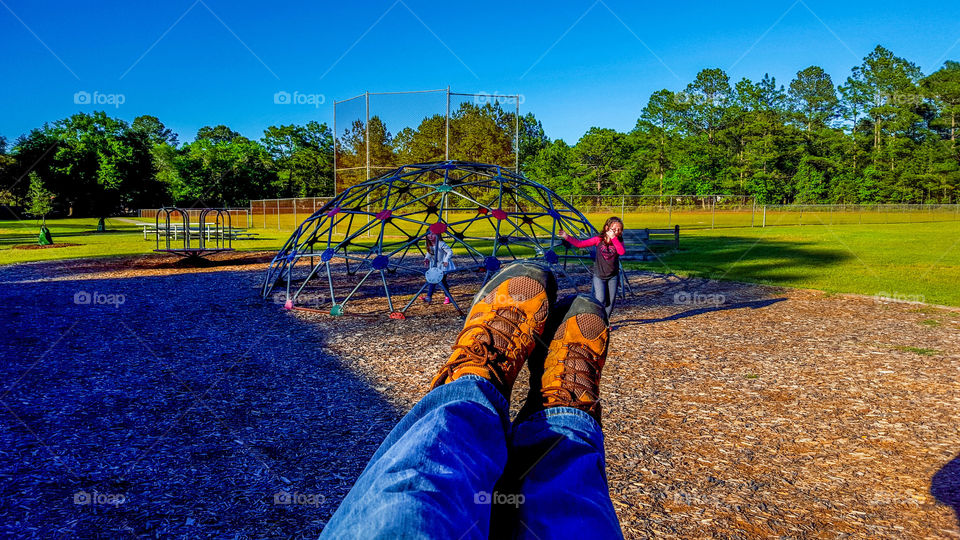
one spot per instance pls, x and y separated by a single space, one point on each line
368 243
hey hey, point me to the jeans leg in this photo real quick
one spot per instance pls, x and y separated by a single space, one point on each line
599 289
446 286
555 483
612 285
432 475
430 288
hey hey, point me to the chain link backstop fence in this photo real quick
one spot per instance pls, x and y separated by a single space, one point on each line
378 131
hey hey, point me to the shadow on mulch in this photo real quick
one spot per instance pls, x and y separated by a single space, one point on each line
185 410
225 259
945 485
753 304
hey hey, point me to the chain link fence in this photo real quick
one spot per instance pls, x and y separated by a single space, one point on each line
284 214
688 211
378 131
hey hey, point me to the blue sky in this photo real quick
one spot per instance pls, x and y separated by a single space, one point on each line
577 64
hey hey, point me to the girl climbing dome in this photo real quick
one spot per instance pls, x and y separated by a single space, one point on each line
438 255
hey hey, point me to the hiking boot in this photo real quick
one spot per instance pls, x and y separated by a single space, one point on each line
569 374
505 322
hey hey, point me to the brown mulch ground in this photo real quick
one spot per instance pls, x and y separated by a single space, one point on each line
731 410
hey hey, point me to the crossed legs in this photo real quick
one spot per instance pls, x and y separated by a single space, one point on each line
456 467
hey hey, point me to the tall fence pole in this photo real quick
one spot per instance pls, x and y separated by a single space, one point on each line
713 213
446 152
753 212
516 149
334 148
366 143
764 216
278 214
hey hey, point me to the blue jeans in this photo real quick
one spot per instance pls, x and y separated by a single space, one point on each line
433 287
605 291
436 474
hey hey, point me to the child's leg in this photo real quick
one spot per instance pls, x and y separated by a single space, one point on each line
599 290
612 284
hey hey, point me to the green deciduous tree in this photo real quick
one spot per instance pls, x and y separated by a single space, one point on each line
39 198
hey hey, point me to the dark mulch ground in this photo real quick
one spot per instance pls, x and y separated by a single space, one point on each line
731 410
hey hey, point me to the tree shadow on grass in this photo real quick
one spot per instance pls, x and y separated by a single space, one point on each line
945 486
193 398
757 260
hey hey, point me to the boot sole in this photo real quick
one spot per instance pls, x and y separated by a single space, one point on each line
533 270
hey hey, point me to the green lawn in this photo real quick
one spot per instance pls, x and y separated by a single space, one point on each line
908 261
919 261
121 238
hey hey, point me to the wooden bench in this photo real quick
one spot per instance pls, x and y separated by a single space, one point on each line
640 244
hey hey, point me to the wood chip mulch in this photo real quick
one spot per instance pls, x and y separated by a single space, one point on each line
730 410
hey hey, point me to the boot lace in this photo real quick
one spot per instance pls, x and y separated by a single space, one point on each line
483 352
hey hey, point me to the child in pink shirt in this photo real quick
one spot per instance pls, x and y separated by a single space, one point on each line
606 266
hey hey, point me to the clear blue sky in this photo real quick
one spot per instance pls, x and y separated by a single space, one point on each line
577 63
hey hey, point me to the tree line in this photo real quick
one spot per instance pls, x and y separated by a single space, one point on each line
95 165
887 133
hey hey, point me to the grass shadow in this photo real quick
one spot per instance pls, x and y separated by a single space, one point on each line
757 260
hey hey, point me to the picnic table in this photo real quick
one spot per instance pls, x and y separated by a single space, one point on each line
177 229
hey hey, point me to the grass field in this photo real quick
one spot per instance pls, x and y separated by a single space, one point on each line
917 262
121 238
907 261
